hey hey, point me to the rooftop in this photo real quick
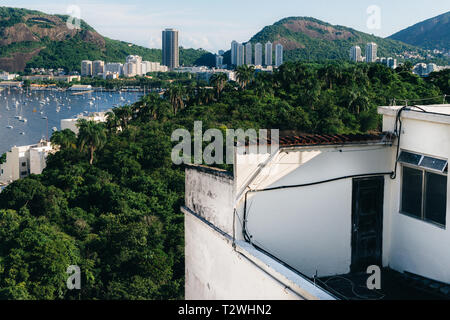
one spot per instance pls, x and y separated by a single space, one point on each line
337 139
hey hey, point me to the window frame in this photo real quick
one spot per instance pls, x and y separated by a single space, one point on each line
424 197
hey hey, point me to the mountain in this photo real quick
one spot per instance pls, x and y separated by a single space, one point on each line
433 33
31 38
305 38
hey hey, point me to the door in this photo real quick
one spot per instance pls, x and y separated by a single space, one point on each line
367 223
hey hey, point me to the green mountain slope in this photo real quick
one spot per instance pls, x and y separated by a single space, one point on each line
34 39
306 38
433 33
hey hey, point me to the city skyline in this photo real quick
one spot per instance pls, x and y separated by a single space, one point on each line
141 22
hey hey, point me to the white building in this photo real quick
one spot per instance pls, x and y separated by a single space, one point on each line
319 208
137 62
6 76
86 68
355 54
219 61
248 53
371 52
240 55
391 63
23 161
234 52
278 55
268 54
258 54
114 68
80 87
130 69
98 67
71 124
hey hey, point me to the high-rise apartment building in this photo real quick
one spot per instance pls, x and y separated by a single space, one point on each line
170 48
278 55
136 60
248 53
258 54
114 68
240 55
371 52
355 54
98 67
269 54
219 61
234 52
86 68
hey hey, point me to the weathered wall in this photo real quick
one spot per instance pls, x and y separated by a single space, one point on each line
210 194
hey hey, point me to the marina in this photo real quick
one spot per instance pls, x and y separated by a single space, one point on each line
26 116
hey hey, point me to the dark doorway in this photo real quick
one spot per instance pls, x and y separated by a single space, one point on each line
367 223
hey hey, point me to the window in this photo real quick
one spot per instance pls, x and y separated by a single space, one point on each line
424 194
24 164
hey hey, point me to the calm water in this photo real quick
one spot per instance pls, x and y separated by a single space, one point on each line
36 105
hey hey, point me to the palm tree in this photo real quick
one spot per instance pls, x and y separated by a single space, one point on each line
175 94
219 80
245 75
65 139
112 121
124 115
92 136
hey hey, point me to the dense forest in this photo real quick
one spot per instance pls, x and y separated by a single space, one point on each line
109 200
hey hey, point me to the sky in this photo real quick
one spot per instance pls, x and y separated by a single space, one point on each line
212 25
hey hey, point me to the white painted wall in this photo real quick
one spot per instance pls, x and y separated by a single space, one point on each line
310 228
417 246
215 271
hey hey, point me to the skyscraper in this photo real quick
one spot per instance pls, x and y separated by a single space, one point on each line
248 53
86 68
240 60
269 54
355 54
258 54
278 55
371 52
170 49
98 67
234 52
137 61
219 61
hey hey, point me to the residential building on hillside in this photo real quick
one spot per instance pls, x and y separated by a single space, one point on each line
371 52
98 67
248 53
86 68
268 54
234 52
25 160
278 55
258 54
355 54
240 55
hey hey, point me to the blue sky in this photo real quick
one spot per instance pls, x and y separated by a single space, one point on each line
212 25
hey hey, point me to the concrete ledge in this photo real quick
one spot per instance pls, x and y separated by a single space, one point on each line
210 170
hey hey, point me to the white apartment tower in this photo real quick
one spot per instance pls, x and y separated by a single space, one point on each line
98 67
258 54
86 68
269 54
240 55
137 61
371 52
355 54
278 55
248 53
234 52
